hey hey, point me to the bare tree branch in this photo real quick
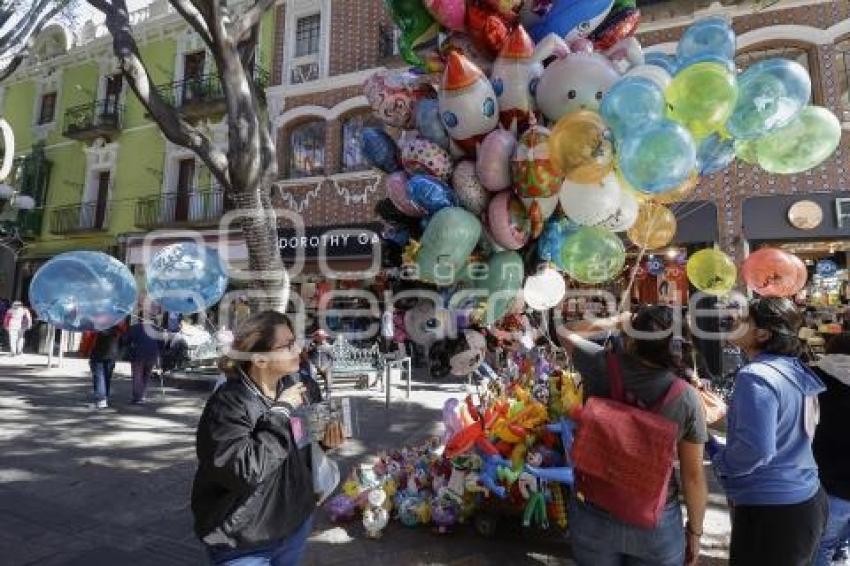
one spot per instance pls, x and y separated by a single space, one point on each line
194 18
19 57
251 19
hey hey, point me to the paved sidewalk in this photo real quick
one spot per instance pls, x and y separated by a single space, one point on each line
111 487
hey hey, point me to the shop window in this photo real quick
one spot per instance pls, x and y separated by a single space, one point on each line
352 154
307 150
47 110
843 63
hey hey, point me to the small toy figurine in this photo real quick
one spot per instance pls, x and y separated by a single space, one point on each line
376 517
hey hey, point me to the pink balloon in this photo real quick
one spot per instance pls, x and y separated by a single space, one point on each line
449 13
421 155
771 272
397 192
494 160
508 221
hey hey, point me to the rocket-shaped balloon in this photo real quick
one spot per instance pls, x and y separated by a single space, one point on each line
468 106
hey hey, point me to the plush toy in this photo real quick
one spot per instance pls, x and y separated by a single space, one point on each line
376 517
445 512
341 508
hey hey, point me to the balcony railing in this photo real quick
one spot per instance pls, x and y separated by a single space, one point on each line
86 217
95 119
29 223
204 94
201 207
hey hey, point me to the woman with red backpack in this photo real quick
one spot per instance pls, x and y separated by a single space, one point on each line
612 523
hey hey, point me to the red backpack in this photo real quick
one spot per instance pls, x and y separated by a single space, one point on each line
624 455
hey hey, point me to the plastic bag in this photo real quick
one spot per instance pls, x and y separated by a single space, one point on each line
325 473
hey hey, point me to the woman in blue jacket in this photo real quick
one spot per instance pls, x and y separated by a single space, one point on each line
767 465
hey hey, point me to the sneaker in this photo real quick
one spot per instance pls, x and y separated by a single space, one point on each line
101 404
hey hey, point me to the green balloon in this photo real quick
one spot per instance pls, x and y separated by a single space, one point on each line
417 27
449 238
745 150
505 276
701 97
593 255
805 143
712 271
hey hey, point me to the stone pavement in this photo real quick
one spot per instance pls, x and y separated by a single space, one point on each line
111 487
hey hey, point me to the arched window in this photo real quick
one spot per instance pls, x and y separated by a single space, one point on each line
307 149
352 154
842 61
798 54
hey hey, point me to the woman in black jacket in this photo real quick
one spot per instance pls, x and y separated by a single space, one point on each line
253 496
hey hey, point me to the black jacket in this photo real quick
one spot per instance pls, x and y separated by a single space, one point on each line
106 346
253 486
832 438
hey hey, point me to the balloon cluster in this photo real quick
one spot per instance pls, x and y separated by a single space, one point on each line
540 129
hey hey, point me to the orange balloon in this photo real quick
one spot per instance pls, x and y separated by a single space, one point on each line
655 226
773 273
580 147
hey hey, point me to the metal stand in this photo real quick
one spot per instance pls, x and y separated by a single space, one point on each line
400 364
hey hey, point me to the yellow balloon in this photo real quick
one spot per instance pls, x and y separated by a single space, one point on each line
580 147
655 226
702 97
712 271
683 192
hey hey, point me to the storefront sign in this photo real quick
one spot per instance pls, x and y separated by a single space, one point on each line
805 215
358 241
773 217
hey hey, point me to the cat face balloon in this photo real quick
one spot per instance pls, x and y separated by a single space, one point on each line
576 82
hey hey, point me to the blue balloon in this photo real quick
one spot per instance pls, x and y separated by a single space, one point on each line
380 149
708 36
715 154
771 94
728 64
430 193
567 15
633 103
186 278
555 232
655 266
663 60
826 268
429 124
81 291
659 158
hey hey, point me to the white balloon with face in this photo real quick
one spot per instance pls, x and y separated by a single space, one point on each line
469 113
514 82
576 82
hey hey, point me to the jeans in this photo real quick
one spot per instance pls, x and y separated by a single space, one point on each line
287 552
837 530
601 540
16 342
141 370
101 373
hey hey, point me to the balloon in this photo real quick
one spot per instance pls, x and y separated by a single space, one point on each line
419 155
341 508
771 93
544 290
534 175
801 270
392 94
803 144
505 275
581 147
576 82
83 290
654 228
662 60
659 158
448 240
712 36
652 72
416 25
564 475
186 278
539 210
678 194
471 194
508 221
619 25
463 44
514 73
702 97
715 154
468 105
428 122
488 28
593 255
826 268
727 64
746 151
626 214
430 194
552 239
712 271
380 149
494 160
569 19
398 194
655 266
450 14
625 54
771 272
591 204
632 104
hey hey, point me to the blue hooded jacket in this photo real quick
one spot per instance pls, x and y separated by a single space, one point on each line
768 456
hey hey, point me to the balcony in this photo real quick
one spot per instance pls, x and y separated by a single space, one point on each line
86 217
170 210
101 119
203 96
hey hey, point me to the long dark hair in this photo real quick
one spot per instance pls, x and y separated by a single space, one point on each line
254 335
656 351
782 319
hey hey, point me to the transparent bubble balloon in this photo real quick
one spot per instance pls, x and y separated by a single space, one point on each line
186 278
593 255
632 104
83 290
659 158
708 36
809 140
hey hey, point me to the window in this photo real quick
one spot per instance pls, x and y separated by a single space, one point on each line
48 108
798 54
307 34
842 60
307 150
352 153
306 46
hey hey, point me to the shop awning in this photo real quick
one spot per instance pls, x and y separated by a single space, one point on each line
696 222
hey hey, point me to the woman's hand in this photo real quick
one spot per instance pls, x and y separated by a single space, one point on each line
692 547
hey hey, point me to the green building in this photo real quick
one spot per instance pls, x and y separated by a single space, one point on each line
98 170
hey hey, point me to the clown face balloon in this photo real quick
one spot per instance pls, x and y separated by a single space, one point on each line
576 82
393 95
515 75
468 105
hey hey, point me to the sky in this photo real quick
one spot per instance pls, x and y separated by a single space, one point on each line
86 12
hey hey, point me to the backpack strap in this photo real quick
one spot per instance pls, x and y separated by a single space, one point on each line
615 377
676 390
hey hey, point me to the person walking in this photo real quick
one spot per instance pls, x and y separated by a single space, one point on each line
252 496
767 466
646 372
387 329
143 352
17 322
102 360
832 444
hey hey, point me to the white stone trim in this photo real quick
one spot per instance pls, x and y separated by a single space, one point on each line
320 111
296 9
174 154
49 82
100 157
